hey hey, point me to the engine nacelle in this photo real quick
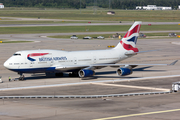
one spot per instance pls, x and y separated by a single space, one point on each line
124 71
86 73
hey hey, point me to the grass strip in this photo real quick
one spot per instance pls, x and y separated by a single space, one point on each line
68 29
9 41
88 14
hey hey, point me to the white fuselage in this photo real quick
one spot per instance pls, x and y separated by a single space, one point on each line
20 63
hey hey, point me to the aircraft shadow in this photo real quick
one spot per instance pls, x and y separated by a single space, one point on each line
97 74
136 69
143 69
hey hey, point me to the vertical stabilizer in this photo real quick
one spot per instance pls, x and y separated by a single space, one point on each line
129 41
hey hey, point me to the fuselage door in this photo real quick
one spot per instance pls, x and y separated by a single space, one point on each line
75 60
52 61
31 64
94 59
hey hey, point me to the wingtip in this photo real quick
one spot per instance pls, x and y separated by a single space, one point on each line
173 63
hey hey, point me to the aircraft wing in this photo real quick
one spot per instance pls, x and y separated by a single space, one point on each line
173 63
96 66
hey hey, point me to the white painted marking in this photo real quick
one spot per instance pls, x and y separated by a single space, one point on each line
129 86
175 43
43 36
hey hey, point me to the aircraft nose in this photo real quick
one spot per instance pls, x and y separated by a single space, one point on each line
6 64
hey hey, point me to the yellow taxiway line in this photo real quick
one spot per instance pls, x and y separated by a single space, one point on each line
140 114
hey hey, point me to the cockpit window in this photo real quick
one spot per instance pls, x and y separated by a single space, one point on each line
17 54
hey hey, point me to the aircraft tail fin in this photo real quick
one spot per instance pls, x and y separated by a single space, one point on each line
129 41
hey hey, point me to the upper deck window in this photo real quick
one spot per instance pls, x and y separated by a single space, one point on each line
16 54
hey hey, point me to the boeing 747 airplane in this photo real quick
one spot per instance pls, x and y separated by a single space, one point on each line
79 63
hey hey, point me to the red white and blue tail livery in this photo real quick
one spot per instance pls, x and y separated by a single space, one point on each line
129 41
79 63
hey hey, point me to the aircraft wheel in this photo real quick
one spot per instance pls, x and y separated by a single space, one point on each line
73 74
59 74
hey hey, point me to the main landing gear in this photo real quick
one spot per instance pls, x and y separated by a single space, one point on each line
21 76
74 74
59 74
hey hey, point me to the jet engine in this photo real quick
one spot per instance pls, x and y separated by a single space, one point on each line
86 73
124 71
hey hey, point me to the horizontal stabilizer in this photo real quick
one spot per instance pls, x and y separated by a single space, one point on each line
134 53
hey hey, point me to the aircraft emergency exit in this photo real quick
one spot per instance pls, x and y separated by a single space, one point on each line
79 63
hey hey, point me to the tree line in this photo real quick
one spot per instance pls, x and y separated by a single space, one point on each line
114 4
45 3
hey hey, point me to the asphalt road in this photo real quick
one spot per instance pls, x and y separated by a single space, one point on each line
86 24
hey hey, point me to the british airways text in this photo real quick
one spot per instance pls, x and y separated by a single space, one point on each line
52 58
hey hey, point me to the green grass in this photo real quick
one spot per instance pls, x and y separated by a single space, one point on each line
160 34
26 22
67 29
39 22
9 41
88 14
159 27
